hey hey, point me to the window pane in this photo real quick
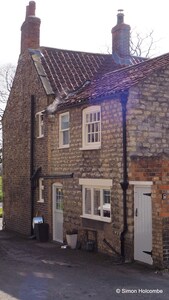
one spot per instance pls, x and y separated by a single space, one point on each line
106 203
96 137
41 125
42 130
65 121
87 118
97 202
87 201
94 117
59 199
41 189
65 137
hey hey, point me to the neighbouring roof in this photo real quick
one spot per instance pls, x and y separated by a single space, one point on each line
80 77
121 80
117 81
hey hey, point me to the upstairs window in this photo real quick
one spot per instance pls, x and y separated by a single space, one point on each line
92 127
40 124
64 131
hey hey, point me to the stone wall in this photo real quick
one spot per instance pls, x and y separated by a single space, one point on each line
104 163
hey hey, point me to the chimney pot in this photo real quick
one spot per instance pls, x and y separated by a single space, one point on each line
120 16
32 7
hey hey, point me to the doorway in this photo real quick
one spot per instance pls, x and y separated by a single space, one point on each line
57 212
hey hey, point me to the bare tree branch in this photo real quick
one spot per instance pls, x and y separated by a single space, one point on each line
7 73
142 44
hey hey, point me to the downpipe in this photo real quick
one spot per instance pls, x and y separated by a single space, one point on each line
124 184
32 157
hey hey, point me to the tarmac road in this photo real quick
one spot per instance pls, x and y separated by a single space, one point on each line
31 270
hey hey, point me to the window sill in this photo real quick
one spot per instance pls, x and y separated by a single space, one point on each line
96 147
40 136
40 201
64 147
106 220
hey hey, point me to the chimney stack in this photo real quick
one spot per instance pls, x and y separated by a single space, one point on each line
121 37
30 30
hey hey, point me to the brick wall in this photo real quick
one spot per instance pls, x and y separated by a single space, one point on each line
16 146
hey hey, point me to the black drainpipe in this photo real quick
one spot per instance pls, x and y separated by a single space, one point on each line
124 183
32 157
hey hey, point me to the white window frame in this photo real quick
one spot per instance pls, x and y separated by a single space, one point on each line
93 144
41 190
40 124
96 184
61 145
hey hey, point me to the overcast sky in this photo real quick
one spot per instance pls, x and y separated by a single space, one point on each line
83 25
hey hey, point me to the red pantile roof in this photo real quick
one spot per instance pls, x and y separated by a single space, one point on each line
69 70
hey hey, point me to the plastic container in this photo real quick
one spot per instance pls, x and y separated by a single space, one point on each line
42 232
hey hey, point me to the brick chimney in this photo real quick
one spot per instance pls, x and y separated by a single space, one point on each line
30 29
121 37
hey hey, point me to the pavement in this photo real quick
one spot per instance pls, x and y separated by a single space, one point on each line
32 270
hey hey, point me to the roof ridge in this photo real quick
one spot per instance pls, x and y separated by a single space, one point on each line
76 51
148 61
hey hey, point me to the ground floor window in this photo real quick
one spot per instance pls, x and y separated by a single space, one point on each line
96 200
41 190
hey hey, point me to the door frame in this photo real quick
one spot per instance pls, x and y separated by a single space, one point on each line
54 186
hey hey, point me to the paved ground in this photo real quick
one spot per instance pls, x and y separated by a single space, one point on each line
31 270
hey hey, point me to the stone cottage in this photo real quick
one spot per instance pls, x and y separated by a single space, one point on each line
86 145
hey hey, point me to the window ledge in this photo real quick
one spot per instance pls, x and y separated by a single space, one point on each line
40 201
40 136
94 147
106 220
64 147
